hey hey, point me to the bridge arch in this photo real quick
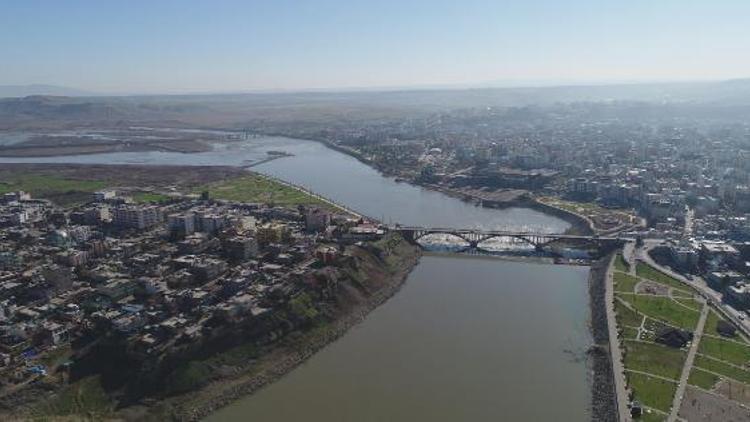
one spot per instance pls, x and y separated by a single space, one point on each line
474 239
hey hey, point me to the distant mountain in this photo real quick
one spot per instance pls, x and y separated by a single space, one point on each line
39 89
311 111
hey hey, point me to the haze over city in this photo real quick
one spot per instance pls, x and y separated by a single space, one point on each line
375 210
235 46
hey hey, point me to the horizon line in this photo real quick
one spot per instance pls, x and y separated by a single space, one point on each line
499 84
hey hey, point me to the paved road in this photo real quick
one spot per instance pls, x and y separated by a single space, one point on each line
614 346
712 296
677 400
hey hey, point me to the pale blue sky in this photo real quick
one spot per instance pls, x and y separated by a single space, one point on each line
231 45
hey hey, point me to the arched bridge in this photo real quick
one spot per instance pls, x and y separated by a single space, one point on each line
475 237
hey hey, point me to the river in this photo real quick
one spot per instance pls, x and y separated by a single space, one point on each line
465 339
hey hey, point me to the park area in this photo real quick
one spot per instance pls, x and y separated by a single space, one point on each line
650 304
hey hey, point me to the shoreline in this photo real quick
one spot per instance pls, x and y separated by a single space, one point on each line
289 358
604 406
40 151
579 223
285 359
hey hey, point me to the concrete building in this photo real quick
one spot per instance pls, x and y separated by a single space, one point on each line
183 224
104 195
137 217
317 219
240 248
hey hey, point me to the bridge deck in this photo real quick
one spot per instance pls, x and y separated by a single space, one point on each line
498 233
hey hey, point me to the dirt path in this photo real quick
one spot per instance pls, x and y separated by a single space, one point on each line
679 394
614 346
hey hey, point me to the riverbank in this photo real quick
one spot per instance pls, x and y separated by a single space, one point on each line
42 150
603 396
387 272
464 214
514 197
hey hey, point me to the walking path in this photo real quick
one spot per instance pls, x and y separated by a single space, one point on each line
677 402
618 371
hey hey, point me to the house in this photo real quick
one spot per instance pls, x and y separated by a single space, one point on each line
55 333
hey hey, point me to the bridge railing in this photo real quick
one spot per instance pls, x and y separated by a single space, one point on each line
498 233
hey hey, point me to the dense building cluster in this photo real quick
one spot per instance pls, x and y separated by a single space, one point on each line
687 179
159 277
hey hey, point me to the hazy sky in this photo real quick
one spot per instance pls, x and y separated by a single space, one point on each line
229 45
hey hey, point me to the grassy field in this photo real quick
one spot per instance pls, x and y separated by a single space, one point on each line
664 309
83 397
625 316
629 333
690 303
620 264
646 271
652 392
197 373
712 323
652 417
624 282
722 368
727 350
702 379
62 191
146 197
654 359
256 188
682 294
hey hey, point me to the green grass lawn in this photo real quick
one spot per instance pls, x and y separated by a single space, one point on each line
83 397
145 197
59 190
727 350
256 188
722 368
651 273
653 416
652 392
624 282
712 322
702 379
197 373
629 333
625 316
690 303
620 264
683 294
654 359
664 309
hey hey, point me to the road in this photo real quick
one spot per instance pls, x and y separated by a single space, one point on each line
689 222
677 401
618 370
712 296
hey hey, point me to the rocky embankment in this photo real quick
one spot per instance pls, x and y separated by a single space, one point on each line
603 395
377 274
